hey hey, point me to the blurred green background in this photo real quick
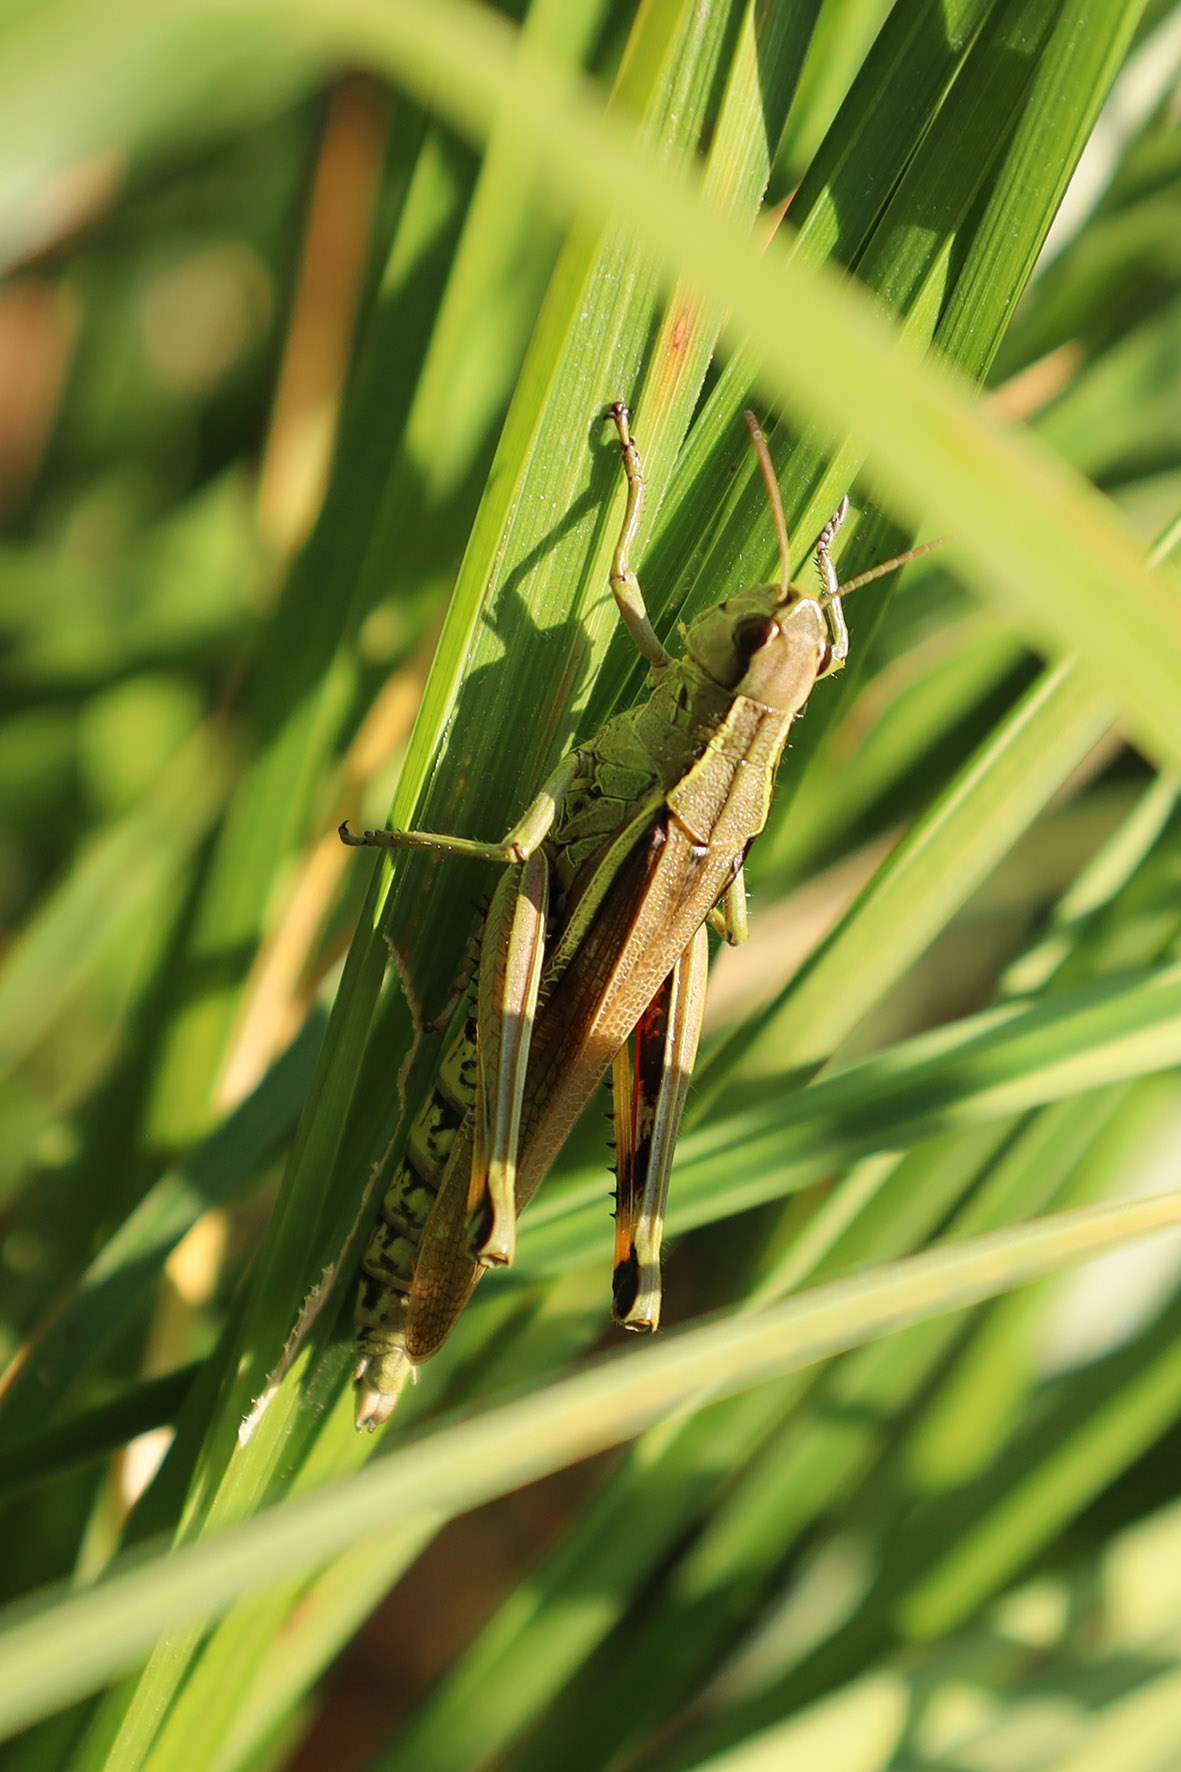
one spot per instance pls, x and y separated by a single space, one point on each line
307 505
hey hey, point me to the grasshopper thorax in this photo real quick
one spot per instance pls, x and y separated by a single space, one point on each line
762 645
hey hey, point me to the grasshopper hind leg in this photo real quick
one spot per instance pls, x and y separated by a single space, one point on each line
510 973
650 1090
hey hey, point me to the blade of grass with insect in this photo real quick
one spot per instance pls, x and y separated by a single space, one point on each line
543 1634
229 1652
483 1709
496 819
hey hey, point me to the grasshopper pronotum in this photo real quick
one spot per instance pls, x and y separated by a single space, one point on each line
596 934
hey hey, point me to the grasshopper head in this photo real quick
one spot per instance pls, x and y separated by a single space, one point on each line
763 645
769 644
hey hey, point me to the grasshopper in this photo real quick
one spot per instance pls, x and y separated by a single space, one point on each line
594 950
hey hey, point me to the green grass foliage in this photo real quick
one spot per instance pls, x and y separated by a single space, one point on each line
893 1490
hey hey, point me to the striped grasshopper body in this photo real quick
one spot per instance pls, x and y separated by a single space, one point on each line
596 933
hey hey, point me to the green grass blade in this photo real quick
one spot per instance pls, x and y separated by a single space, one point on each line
99 1633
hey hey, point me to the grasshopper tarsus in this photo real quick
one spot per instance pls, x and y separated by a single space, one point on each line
386 839
499 1253
492 1243
635 1295
625 1286
829 533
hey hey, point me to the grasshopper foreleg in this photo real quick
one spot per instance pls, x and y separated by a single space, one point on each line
831 600
650 1088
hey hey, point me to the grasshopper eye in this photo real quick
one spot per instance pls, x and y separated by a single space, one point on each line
752 633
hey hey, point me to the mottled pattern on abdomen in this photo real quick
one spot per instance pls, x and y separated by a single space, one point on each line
387 1267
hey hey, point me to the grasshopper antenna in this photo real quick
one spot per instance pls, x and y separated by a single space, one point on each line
767 467
875 572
